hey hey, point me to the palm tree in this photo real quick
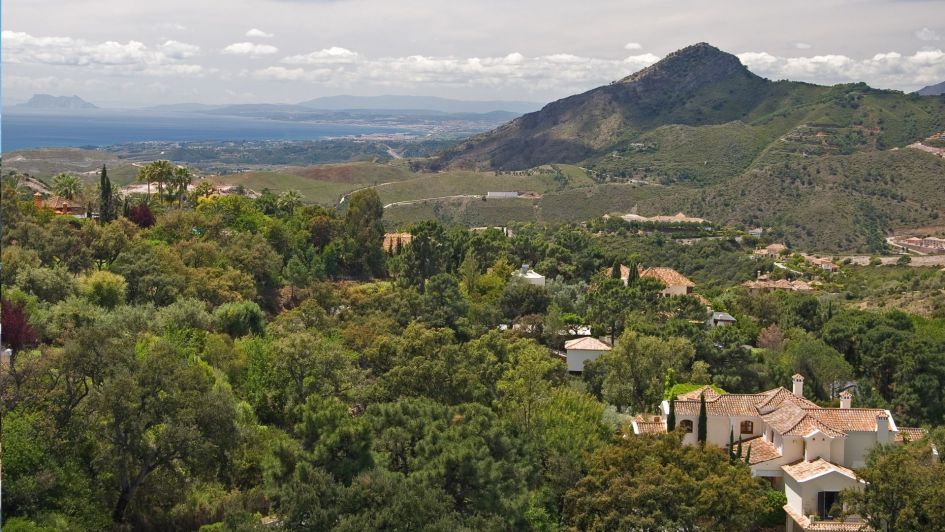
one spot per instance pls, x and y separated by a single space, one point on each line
180 181
66 186
159 172
289 200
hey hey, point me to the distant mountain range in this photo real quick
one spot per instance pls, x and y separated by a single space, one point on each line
48 101
932 90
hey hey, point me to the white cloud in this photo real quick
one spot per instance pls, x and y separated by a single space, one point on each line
179 50
889 69
335 54
802 46
113 56
250 49
927 34
256 32
633 46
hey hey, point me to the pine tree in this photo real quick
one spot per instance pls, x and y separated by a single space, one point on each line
105 207
671 418
703 420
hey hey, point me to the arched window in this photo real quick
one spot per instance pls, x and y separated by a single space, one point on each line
686 426
747 427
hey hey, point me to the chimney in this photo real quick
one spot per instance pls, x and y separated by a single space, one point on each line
846 399
882 428
798 384
38 200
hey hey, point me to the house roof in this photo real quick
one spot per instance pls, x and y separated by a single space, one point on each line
708 390
642 426
668 276
850 524
761 450
722 316
586 343
911 433
849 419
803 471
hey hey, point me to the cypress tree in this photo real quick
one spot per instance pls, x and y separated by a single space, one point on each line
634 275
105 207
748 455
671 418
731 444
703 420
739 454
615 269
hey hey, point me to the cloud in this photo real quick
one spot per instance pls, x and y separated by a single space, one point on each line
340 67
179 50
888 69
926 34
256 32
633 46
335 54
132 56
250 49
802 46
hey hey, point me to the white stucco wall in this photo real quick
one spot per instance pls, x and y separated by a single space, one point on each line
676 290
829 482
817 446
577 358
858 445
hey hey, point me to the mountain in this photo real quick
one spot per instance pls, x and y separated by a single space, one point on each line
704 88
932 90
48 101
698 132
424 103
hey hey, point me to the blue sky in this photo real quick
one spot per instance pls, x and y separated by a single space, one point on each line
134 53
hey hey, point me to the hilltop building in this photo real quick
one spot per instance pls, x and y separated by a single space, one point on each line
581 350
529 275
771 250
805 449
393 241
61 206
676 283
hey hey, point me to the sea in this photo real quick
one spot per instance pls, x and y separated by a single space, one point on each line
39 129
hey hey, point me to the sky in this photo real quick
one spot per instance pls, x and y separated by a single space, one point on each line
140 52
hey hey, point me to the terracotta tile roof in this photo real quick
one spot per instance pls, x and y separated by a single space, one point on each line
761 450
851 524
780 396
648 426
803 471
848 419
911 433
781 284
668 276
587 343
390 240
710 394
730 404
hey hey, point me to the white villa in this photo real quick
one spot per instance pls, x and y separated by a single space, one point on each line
580 350
529 276
805 449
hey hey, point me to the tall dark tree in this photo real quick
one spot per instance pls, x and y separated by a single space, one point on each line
364 225
633 275
615 269
106 208
703 420
671 418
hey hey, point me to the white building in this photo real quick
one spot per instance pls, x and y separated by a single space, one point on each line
529 276
797 445
580 350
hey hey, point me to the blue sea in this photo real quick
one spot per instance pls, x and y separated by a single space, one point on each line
22 130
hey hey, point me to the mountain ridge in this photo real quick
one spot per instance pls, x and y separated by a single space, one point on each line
48 101
932 90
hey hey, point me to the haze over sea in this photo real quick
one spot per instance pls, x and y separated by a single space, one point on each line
33 129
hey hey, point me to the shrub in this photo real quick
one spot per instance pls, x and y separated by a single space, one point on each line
102 288
239 318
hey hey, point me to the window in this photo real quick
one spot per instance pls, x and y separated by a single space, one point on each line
827 504
747 427
686 426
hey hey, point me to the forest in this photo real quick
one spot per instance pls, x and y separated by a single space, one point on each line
193 361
